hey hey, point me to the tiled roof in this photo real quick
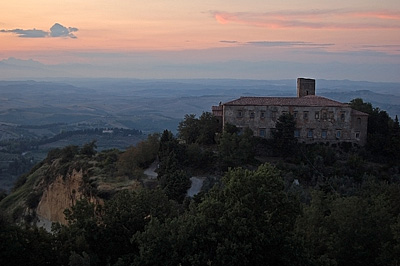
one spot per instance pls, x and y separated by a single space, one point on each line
356 112
310 100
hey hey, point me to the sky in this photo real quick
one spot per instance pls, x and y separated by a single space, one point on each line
254 39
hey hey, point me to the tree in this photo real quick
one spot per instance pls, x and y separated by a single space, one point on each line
201 130
358 104
84 233
68 153
89 149
26 246
168 144
188 129
208 128
359 229
102 235
136 158
127 213
78 260
285 141
171 154
383 139
248 221
235 149
175 184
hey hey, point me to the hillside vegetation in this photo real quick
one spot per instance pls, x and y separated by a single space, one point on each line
264 202
32 143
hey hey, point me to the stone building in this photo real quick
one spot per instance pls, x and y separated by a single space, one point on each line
318 119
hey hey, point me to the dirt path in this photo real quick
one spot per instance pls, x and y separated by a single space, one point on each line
197 182
150 172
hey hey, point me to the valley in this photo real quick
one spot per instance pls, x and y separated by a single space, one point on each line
37 116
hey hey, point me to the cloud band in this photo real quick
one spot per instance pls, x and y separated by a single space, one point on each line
57 30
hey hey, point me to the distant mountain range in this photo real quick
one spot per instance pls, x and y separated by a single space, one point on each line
154 105
151 66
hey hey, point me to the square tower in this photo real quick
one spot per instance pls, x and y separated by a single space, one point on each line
305 87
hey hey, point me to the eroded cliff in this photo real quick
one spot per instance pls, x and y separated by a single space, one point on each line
60 195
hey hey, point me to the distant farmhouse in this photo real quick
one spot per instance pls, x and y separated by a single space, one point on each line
318 119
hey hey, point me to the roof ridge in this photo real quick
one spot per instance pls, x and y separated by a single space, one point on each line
309 100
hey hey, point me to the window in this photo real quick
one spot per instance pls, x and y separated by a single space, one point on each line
342 116
262 133
358 135
359 121
295 114
316 115
273 114
262 114
240 113
324 134
305 115
324 116
331 115
310 133
297 133
338 134
252 114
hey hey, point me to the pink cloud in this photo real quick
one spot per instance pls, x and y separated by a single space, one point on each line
314 19
383 15
222 18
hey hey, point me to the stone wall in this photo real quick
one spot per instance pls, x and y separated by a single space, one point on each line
314 124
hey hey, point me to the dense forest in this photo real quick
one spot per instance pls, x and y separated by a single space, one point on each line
264 202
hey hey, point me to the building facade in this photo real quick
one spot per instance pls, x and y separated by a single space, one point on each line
318 119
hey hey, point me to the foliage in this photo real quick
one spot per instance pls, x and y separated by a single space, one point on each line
33 199
383 140
283 135
209 127
358 104
139 157
78 260
248 221
171 154
104 234
26 246
324 206
108 161
235 149
199 158
89 149
189 129
68 153
175 184
169 144
173 179
83 233
201 130
356 230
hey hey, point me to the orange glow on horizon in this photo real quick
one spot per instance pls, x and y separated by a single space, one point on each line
158 25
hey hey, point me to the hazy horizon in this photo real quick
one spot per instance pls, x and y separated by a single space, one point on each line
356 40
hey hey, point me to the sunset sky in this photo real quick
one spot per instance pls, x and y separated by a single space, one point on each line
256 39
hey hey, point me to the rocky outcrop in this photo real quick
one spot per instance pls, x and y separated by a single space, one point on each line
60 195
